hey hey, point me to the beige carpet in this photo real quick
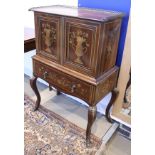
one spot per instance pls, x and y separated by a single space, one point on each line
46 133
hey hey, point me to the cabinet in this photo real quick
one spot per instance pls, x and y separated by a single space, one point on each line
76 50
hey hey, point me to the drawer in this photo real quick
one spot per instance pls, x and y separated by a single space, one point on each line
63 82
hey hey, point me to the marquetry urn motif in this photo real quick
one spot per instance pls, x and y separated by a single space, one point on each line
79 43
49 37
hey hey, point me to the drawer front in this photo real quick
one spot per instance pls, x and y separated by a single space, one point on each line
106 86
47 35
81 44
62 81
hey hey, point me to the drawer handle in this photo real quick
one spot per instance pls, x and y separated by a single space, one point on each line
73 88
41 69
45 75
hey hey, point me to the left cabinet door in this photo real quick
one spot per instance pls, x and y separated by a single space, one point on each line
47 29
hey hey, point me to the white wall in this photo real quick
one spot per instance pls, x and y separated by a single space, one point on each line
28 15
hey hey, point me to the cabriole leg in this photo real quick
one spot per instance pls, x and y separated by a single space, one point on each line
50 88
35 89
115 93
58 92
91 119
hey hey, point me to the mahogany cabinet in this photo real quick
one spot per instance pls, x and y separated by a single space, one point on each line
76 51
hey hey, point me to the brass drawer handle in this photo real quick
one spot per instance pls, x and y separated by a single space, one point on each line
41 69
45 75
73 88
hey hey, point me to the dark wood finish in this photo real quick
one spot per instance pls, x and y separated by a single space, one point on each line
74 49
62 81
109 53
91 119
81 13
115 93
79 36
106 85
76 53
29 39
58 92
50 87
35 89
48 42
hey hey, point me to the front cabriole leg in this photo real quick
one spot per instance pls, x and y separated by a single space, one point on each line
91 119
35 89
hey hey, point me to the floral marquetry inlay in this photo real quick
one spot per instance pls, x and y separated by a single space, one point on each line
72 85
78 41
67 83
49 37
106 86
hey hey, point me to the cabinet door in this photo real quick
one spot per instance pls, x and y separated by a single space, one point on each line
81 45
47 34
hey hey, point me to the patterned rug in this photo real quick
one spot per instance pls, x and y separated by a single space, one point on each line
47 133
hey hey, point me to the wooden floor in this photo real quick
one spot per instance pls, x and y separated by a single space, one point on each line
73 111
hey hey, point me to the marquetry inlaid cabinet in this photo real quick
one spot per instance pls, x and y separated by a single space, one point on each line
76 51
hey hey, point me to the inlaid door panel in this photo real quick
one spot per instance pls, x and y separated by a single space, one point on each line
81 44
48 36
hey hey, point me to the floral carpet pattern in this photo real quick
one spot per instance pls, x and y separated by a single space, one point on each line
47 133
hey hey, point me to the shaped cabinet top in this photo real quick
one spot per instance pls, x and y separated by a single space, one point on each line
83 13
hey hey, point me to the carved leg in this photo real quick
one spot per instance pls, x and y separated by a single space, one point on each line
35 89
115 93
58 92
91 119
50 88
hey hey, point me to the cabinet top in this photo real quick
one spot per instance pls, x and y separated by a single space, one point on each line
79 12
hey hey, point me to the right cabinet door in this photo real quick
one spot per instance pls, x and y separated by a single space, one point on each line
81 39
